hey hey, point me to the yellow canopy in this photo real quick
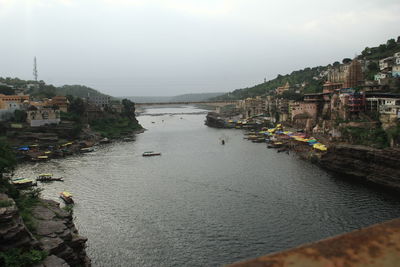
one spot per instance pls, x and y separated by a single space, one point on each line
320 147
47 152
22 181
42 157
66 194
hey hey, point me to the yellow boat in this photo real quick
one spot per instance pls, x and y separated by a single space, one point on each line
67 197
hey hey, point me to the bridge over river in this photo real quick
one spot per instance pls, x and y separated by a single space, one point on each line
207 103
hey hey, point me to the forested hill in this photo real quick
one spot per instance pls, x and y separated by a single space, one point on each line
42 90
314 77
77 91
311 77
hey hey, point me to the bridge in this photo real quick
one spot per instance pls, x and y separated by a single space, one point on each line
206 103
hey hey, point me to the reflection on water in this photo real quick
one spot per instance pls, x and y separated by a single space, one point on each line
201 203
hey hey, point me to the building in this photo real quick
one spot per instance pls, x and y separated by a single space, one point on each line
354 75
382 102
307 108
397 58
381 76
386 64
330 87
396 71
12 102
61 102
100 100
42 116
338 73
252 106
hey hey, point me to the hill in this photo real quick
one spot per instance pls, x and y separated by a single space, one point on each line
313 78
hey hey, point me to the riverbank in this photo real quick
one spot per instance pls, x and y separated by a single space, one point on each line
362 163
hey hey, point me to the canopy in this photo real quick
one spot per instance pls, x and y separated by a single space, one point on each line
320 146
66 194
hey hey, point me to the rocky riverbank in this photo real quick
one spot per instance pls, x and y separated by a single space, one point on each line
52 231
377 166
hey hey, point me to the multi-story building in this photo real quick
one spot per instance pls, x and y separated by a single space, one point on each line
330 87
386 64
12 102
61 102
42 116
309 109
99 100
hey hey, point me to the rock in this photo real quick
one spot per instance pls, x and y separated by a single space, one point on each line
13 233
376 166
53 261
57 234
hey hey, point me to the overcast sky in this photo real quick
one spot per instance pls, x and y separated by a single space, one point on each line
170 47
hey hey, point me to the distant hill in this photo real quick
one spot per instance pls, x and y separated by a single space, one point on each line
77 91
179 98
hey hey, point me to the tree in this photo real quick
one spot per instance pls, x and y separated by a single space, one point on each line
5 90
7 158
20 116
390 44
373 66
346 60
77 106
128 108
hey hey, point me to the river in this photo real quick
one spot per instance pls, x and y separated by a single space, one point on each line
201 203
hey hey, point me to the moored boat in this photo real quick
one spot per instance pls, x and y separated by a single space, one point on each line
48 177
86 149
23 182
67 197
151 153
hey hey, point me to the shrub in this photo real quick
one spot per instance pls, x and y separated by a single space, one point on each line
18 258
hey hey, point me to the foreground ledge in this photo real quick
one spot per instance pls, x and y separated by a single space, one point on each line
377 245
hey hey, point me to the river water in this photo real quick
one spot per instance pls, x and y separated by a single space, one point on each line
202 203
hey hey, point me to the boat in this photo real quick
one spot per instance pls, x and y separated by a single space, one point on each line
67 197
86 149
23 182
151 153
48 177
105 140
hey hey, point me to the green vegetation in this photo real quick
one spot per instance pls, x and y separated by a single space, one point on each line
295 78
7 158
25 203
381 51
19 258
5 90
5 203
114 127
375 137
80 91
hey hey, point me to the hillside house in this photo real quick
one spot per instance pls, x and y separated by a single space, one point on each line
42 116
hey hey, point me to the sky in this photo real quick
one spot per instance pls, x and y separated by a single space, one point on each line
171 47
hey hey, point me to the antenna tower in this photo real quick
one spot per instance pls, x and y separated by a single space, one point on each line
35 73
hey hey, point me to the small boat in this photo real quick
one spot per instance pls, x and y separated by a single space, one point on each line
67 197
86 149
23 182
129 139
105 140
48 177
151 153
